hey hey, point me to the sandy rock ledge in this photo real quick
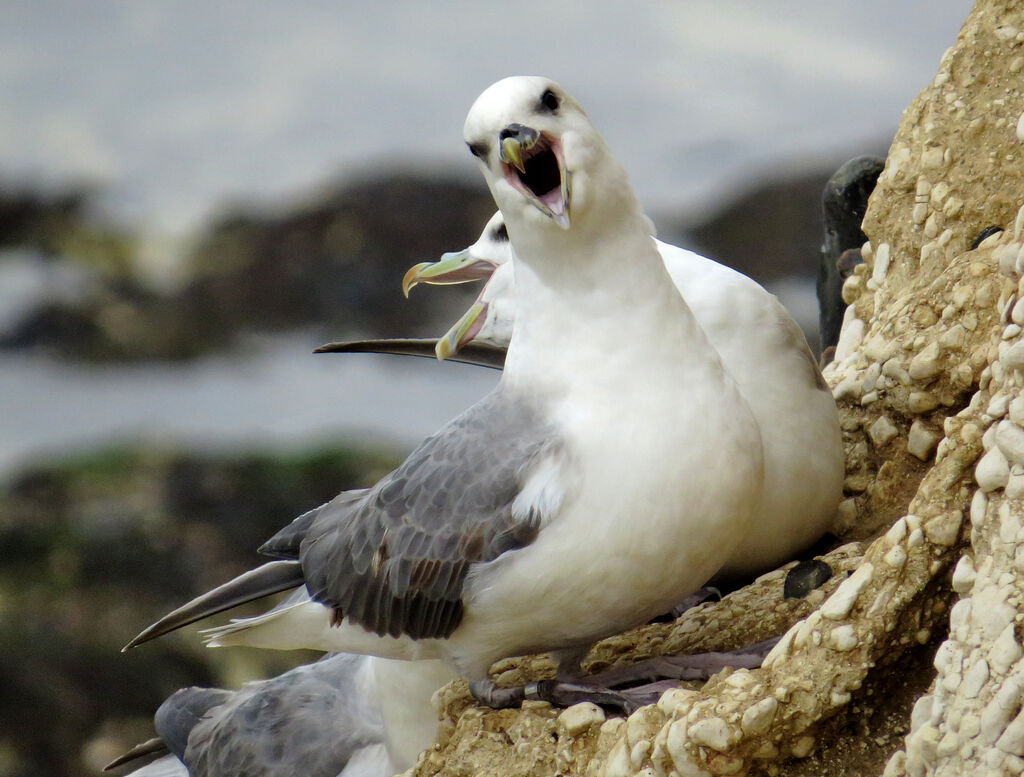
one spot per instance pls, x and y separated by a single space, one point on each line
928 377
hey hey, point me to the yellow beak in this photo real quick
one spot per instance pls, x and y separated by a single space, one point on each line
452 268
464 330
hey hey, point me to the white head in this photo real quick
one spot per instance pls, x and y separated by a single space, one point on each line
493 245
546 165
582 252
492 314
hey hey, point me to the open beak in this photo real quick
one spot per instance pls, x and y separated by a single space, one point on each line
464 330
451 268
535 165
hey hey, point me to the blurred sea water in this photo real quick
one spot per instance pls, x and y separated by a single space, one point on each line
277 395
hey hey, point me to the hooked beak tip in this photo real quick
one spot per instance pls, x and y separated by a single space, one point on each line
512 154
464 330
412 278
443 349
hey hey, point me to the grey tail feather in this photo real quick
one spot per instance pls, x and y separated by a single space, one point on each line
477 354
154 746
270 578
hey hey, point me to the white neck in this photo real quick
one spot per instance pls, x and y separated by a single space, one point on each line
599 297
596 296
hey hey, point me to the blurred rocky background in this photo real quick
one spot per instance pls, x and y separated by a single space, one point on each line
192 200
329 265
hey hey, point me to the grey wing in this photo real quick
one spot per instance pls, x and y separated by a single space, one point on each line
396 562
182 711
307 721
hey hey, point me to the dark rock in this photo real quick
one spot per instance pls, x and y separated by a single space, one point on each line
96 548
772 231
804 578
336 263
986 233
844 201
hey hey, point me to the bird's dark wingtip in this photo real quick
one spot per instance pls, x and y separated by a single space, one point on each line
154 746
476 354
338 347
153 631
270 578
397 346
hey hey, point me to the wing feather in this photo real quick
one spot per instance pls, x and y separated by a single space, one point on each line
395 559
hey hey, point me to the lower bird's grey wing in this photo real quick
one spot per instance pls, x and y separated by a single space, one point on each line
396 562
308 721
478 354
182 711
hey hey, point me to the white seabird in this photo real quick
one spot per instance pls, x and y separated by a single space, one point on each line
342 716
761 346
589 492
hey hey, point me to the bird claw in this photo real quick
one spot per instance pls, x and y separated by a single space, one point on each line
707 593
565 694
601 689
557 692
490 695
694 667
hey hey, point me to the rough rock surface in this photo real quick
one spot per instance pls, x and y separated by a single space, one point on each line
928 376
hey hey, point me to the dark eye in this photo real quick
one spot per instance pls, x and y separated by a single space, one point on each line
479 150
549 100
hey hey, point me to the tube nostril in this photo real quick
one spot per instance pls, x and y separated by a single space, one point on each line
518 131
